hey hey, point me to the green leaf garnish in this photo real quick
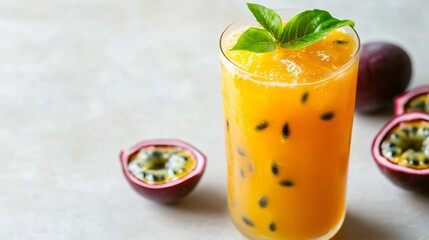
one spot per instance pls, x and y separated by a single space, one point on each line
255 40
268 18
309 27
302 30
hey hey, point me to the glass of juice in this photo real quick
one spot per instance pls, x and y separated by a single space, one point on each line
288 122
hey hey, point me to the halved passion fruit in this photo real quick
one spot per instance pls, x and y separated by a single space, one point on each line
401 150
163 170
416 99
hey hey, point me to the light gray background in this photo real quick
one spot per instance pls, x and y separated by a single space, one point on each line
80 80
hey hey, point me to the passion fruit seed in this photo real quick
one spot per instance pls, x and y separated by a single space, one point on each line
263 202
275 169
327 116
227 124
408 145
241 173
286 183
304 97
241 152
157 154
419 103
272 227
285 130
159 165
414 162
247 221
261 126
339 41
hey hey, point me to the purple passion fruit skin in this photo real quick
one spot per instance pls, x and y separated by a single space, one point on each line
416 99
384 72
401 151
164 171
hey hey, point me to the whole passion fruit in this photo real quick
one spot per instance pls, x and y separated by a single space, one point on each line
401 150
416 99
163 170
384 72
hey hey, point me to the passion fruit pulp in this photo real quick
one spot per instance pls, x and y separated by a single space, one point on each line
162 170
416 99
401 151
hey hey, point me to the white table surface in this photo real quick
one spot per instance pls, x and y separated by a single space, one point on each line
80 80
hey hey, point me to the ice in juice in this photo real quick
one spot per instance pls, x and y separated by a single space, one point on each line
288 121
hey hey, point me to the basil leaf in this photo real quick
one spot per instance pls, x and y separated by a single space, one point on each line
268 18
309 27
255 40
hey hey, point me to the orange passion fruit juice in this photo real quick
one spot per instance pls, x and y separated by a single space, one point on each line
288 121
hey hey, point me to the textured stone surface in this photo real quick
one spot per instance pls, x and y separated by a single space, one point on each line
80 80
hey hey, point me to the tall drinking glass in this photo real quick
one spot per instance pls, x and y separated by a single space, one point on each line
288 122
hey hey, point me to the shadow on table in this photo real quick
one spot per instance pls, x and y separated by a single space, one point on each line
422 195
383 114
207 200
356 227
419 201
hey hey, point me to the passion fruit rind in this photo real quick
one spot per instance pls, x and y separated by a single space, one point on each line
385 71
416 99
401 150
166 189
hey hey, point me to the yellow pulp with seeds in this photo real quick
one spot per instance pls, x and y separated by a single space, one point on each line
419 103
158 165
408 145
289 117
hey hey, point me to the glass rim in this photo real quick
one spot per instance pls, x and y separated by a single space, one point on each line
323 77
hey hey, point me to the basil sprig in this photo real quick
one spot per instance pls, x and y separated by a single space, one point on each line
302 30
